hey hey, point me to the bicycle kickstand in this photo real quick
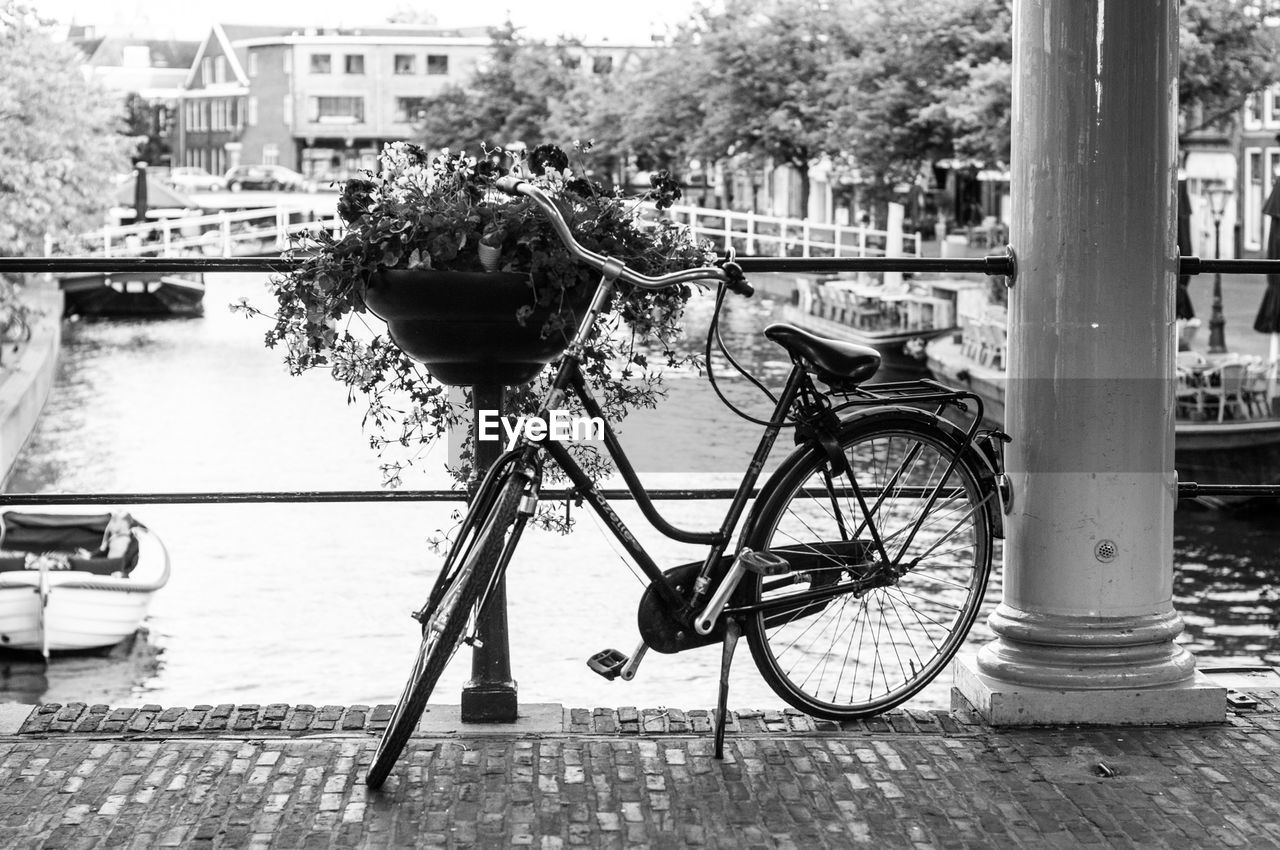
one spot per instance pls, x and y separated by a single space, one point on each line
732 631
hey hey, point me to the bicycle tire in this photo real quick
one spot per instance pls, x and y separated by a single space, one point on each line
856 655
442 628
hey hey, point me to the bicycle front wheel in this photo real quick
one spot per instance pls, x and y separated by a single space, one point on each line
443 624
871 632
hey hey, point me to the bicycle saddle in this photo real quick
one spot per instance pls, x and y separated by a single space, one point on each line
842 365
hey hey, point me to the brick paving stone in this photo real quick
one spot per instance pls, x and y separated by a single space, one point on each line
208 776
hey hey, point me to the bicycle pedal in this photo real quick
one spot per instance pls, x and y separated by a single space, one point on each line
473 641
765 563
608 663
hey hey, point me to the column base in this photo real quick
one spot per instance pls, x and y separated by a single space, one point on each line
999 703
489 702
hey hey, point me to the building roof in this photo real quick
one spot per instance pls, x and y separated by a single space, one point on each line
109 52
243 32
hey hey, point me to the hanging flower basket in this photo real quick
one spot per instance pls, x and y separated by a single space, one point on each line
462 325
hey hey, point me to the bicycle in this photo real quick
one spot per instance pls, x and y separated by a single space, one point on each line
862 561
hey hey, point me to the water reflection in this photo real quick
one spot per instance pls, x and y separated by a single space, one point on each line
309 603
1226 585
109 677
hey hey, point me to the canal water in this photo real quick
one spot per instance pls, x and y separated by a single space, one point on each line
309 603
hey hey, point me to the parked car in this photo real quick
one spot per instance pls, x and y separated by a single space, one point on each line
188 178
270 177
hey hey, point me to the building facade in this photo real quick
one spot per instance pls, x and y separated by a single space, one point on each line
324 101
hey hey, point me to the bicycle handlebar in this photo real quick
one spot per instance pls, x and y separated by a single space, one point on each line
728 272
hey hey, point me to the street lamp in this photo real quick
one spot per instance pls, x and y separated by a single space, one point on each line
1219 196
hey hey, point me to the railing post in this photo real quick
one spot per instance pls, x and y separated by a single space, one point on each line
165 234
490 696
806 234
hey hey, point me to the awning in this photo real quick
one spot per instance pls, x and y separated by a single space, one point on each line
1211 165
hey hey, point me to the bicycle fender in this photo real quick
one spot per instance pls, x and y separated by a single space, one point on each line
977 459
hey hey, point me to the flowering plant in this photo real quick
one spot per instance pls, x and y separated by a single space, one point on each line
423 212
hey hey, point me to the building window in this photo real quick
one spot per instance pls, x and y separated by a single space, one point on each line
337 110
601 64
206 70
286 109
354 63
437 65
406 63
252 118
220 69
270 153
410 109
253 63
1253 112
321 63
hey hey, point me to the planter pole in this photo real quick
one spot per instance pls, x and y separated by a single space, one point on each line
490 696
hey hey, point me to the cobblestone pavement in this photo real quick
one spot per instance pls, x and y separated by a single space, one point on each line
78 776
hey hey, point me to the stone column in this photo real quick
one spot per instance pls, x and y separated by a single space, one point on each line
1086 628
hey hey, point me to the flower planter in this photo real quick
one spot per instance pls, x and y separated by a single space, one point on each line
462 325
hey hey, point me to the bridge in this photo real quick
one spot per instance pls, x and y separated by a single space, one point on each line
267 231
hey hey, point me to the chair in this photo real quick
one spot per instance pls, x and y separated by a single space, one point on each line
1226 385
1189 393
1260 387
992 339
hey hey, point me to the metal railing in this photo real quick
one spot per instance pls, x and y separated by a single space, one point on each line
776 236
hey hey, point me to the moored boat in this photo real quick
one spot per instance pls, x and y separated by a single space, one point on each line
1224 433
896 320
132 294
75 581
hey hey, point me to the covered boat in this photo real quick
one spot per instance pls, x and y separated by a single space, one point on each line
75 581
896 320
1226 428
132 294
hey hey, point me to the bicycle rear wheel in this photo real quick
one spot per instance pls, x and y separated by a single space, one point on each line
443 624
880 634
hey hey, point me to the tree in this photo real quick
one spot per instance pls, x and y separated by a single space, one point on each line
767 86
934 84
1228 50
146 122
507 100
60 143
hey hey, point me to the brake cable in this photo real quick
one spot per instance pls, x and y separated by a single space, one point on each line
713 332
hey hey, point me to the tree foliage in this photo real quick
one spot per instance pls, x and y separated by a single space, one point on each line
60 143
886 86
934 84
1227 51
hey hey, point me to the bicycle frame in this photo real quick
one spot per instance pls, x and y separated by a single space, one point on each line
684 607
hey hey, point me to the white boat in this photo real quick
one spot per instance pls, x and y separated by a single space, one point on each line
75 581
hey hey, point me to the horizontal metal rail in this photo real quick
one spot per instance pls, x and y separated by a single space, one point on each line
993 265
291 496
996 264
1190 490
1186 490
